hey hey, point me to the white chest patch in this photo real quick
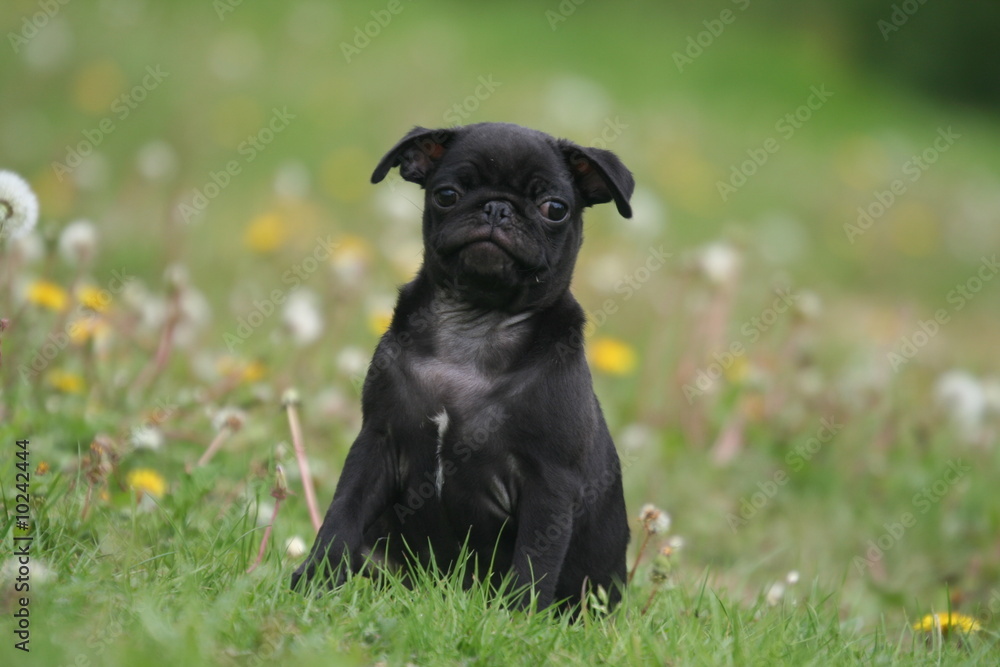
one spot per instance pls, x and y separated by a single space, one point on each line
442 420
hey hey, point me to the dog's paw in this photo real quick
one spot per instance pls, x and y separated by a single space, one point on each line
325 577
302 575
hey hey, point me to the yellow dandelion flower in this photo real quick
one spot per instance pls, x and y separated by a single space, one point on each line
66 382
738 371
48 295
42 468
86 328
946 622
246 371
146 480
350 257
612 356
94 298
379 321
254 371
266 233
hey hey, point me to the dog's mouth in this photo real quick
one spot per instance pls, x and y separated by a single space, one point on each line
486 242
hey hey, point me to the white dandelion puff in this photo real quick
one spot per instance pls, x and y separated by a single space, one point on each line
719 262
78 242
229 418
302 317
962 398
655 520
146 437
18 206
295 547
775 593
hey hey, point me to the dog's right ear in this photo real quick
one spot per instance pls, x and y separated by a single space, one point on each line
415 155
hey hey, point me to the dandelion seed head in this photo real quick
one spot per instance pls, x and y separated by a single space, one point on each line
78 242
295 548
18 206
302 318
229 418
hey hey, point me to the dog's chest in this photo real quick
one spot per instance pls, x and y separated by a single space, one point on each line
469 399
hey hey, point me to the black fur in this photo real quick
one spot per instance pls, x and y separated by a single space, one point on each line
480 424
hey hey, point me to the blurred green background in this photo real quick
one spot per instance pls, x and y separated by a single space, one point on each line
685 94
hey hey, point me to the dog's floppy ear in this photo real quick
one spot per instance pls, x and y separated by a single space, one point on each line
600 176
415 154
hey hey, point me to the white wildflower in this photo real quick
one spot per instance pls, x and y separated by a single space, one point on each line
636 436
18 206
292 180
719 262
195 312
649 216
964 401
302 317
655 520
295 548
352 360
230 418
156 160
775 593
146 436
808 305
78 242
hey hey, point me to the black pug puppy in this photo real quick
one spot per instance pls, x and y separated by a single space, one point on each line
480 424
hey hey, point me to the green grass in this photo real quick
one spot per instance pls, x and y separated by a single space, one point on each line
166 585
165 582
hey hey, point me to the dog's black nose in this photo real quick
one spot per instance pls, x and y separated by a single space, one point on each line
498 211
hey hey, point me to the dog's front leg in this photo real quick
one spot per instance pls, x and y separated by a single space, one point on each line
364 491
545 525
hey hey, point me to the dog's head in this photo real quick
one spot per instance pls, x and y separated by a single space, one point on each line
503 207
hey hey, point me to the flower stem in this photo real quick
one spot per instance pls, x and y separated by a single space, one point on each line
267 536
638 556
213 446
300 456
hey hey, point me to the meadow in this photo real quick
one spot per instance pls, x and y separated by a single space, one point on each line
793 339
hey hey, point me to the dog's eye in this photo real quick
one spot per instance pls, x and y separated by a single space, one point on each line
446 197
554 210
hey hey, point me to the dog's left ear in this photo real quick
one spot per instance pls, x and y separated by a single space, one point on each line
415 154
600 176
